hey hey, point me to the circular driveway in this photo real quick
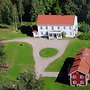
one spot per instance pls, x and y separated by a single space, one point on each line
40 43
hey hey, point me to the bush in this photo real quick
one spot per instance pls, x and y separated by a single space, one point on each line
63 34
84 27
85 36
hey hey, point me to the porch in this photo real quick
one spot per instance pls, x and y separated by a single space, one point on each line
55 35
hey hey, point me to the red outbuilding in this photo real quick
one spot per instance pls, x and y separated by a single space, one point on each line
80 70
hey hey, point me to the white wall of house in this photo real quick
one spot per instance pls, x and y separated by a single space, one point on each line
43 30
71 30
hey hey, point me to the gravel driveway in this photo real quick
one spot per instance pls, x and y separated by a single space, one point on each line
40 43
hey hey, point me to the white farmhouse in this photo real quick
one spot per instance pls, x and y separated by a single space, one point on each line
52 26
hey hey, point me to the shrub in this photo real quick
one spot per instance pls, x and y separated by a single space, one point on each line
63 34
85 36
84 27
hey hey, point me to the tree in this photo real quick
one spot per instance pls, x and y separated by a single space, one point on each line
85 36
56 9
70 7
88 12
2 57
7 84
6 11
84 27
29 81
20 10
2 53
15 16
37 7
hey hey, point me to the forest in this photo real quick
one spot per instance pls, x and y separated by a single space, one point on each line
18 11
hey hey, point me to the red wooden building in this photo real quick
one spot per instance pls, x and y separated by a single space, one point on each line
80 70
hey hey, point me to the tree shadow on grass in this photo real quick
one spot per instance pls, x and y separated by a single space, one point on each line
4 26
26 30
63 74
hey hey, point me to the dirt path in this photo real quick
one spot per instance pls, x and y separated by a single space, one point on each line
40 43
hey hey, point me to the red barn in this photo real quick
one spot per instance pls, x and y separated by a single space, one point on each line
80 70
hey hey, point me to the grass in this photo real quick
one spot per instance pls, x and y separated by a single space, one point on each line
50 84
19 56
48 52
10 34
74 46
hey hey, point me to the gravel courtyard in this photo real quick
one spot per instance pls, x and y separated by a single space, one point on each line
40 43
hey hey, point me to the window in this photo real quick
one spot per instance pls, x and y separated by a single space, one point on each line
70 28
58 35
70 33
74 76
52 27
46 27
81 82
41 27
74 82
81 76
58 27
50 35
74 29
64 27
36 33
42 33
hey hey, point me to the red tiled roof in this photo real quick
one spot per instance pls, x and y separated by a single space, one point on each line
81 62
55 19
34 30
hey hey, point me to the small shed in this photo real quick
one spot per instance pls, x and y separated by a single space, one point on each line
35 33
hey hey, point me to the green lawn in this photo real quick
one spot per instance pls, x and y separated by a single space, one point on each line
50 84
10 34
74 46
48 52
19 56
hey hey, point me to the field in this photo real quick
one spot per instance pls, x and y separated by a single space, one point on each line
19 56
73 47
10 34
50 84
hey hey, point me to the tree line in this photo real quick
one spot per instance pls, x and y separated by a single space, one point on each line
16 11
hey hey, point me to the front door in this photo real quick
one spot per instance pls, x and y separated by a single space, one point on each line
55 36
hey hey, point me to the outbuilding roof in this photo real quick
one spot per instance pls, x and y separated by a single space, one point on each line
81 62
55 19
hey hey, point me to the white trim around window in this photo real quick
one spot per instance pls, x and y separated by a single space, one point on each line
74 77
81 82
74 82
81 76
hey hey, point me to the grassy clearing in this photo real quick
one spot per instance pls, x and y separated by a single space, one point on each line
19 56
10 34
74 46
48 52
50 84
